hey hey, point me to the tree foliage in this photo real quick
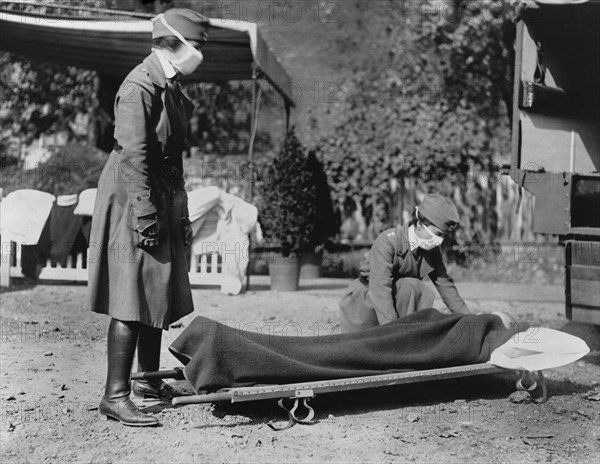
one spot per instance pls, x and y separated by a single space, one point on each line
222 118
428 104
42 99
71 169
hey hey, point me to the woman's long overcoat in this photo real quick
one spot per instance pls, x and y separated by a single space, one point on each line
143 176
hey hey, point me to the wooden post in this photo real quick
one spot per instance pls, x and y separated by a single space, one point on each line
5 262
288 108
256 95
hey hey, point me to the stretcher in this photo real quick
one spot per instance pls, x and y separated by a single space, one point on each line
528 352
299 394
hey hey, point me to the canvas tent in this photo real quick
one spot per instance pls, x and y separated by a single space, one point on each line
113 42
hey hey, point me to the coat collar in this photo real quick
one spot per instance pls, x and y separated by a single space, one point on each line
402 245
154 69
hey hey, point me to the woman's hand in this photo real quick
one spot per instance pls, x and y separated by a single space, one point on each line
149 230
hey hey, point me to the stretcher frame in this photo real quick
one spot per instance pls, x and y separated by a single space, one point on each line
303 392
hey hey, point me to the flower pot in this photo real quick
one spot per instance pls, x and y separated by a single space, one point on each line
310 265
284 272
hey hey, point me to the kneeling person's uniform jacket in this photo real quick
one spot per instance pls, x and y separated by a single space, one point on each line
370 299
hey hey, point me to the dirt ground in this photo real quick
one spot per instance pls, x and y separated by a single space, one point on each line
53 356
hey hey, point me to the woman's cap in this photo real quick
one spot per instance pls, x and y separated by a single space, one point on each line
189 23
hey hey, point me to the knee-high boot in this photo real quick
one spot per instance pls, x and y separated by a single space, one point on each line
148 352
148 348
116 404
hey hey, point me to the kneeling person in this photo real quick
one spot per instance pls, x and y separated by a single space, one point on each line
391 285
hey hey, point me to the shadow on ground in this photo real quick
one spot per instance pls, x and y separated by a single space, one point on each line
308 287
19 285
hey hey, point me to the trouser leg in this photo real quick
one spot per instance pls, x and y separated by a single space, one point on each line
412 295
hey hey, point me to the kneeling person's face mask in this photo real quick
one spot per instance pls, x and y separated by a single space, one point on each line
431 242
187 58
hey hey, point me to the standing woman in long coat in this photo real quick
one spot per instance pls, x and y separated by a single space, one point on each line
138 273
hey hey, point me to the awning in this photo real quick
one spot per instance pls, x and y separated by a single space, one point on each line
114 42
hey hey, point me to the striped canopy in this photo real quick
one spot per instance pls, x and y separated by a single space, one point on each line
114 42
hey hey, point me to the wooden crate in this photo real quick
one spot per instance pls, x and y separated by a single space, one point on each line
583 281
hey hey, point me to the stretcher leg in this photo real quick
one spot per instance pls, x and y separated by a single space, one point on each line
293 419
529 383
201 399
176 374
544 397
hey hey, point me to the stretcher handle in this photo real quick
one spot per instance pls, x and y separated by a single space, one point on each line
198 399
176 374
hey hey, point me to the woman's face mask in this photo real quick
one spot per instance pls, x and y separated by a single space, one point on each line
187 59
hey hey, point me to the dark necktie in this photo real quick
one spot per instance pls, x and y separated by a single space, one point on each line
418 254
175 89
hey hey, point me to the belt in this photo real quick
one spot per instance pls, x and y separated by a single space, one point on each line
167 168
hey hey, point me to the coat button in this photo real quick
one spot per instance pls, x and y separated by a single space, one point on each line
139 199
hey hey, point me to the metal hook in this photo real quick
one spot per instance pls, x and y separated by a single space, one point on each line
544 397
292 418
533 385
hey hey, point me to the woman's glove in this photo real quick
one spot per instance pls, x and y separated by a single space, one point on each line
187 234
149 230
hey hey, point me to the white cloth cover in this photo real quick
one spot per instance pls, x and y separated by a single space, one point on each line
67 200
201 201
539 348
85 207
221 223
244 216
23 214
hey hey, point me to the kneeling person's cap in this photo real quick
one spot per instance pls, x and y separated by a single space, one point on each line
189 23
440 211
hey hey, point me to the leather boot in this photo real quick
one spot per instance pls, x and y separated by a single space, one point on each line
115 404
148 352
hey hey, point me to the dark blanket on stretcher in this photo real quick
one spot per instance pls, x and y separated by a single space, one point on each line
218 356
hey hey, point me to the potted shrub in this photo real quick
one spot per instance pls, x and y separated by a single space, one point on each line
287 212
